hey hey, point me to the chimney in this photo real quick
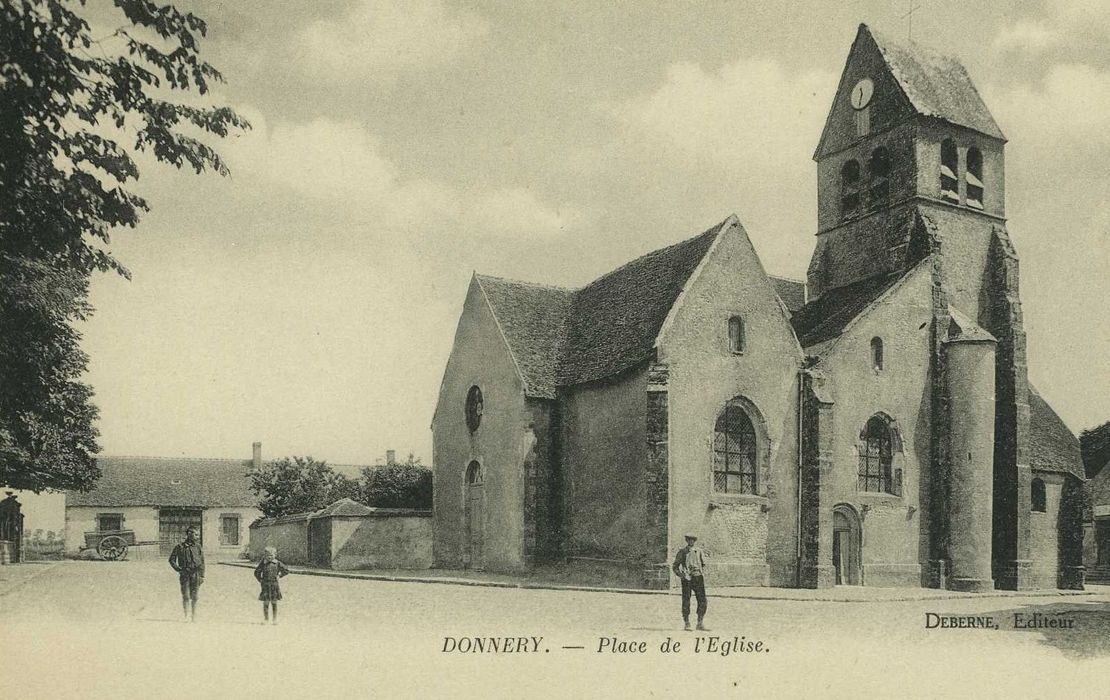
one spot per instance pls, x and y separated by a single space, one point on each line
390 456
256 458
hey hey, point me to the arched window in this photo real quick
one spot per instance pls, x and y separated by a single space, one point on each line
975 178
734 451
474 473
876 457
849 189
878 179
949 166
1039 499
736 337
474 408
876 353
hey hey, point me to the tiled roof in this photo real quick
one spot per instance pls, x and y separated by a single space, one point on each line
561 336
532 317
615 319
1098 488
936 85
825 317
962 328
791 292
157 481
344 506
1052 446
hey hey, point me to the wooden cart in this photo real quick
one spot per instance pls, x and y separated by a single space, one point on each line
113 544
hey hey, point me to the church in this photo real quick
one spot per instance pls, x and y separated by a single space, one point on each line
873 425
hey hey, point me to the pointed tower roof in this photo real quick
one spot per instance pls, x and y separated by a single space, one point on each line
936 84
932 84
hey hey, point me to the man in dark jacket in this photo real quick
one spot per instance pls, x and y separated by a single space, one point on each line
187 560
689 566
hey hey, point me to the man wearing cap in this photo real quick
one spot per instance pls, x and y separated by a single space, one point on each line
689 566
187 560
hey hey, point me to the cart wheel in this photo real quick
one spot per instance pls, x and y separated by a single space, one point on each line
112 548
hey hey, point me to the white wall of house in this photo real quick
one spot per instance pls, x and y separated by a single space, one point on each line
143 520
81 519
217 541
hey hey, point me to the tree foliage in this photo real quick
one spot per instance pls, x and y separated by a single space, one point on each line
397 485
1095 443
299 485
73 109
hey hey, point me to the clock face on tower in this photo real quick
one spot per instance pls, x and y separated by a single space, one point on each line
861 93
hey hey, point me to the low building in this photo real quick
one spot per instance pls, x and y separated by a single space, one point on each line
158 498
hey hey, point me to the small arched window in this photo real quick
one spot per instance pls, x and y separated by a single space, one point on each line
474 408
878 179
876 353
876 457
737 341
849 189
734 451
473 473
949 166
975 178
1038 497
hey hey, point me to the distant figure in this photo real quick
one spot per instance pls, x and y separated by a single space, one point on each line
268 572
187 560
689 566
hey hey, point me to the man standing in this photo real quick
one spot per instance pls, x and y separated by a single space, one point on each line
187 560
689 566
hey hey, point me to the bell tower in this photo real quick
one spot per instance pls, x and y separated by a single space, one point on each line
907 135
911 166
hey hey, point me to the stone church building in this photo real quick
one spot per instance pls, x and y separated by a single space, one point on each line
871 426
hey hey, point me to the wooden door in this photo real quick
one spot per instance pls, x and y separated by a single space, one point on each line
474 517
846 546
172 523
1102 541
319 543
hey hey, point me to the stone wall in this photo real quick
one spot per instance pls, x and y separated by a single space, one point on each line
386 539
751 538
502 444
604 463
398 540
1044 545
288 535
894 525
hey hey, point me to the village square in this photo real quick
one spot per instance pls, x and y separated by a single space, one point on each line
453 351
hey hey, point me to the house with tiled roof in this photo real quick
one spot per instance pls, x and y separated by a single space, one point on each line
872 425
157 498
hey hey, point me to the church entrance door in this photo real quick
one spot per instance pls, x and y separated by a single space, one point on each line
474 516
846 546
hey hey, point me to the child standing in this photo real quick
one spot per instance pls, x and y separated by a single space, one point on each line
268 572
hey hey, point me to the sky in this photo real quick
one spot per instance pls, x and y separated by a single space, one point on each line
309 300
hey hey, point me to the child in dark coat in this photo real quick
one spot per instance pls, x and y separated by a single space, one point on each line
268 572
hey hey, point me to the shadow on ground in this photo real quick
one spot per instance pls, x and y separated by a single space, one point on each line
1078 628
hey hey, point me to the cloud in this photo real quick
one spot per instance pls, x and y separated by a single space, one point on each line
378 39
510 210
739 138
1065 25
750 110
1026 36
1066 108
340 164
